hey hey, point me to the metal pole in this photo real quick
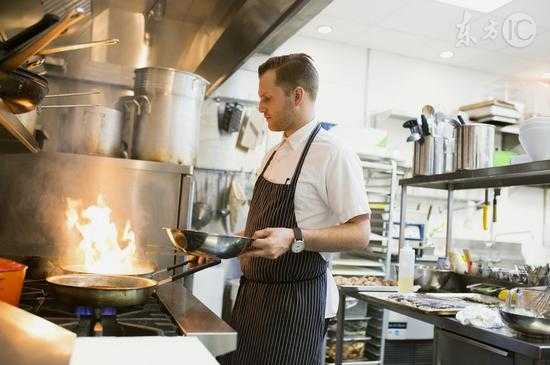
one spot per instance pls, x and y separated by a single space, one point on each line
402 217
450 203
390 230
340 326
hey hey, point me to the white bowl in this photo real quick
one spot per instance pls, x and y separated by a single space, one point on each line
536 141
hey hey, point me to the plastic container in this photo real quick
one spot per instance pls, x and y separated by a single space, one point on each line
406 269
12 275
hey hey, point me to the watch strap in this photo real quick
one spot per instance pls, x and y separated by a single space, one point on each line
298 234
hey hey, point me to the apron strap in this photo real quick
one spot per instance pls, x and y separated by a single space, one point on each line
294 180
269 161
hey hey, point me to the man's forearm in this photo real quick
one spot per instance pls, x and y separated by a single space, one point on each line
352 235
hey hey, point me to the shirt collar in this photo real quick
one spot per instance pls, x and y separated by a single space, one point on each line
297 139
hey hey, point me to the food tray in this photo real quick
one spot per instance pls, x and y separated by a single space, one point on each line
454 305
374 288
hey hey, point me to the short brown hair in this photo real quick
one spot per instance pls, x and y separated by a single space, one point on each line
293 70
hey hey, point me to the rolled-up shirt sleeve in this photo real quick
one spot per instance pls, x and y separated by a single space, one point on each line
345 184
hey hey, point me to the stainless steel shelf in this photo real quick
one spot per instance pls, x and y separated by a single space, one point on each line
352 338
357 362
532 173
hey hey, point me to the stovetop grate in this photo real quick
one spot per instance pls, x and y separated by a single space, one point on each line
149 319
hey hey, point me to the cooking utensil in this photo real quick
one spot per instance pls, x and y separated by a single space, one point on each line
430 278
89 129
170 103
12 275
485 209
202 211
40 58
22 90
530 326
476 144
207 244
28 33
12 60
141 269
425 126
412 125
496 193
111 290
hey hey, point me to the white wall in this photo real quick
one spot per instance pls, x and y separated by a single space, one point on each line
355 84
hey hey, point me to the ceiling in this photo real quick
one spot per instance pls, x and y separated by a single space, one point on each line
425 28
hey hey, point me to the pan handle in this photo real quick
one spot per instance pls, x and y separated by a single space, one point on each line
189 272
171 267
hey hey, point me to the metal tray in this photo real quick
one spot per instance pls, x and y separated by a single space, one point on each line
373 288
428 310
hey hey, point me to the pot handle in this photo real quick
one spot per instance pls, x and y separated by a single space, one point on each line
132 108
192 270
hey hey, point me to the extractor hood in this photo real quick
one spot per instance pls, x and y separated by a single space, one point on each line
212 38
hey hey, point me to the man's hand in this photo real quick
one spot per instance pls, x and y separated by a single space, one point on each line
270 243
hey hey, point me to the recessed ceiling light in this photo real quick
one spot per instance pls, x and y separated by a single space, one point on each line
485 6
446 54
546 75
324 29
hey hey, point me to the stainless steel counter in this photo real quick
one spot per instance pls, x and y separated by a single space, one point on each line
195 319
503 338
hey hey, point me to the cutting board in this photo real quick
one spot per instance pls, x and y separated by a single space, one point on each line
140 351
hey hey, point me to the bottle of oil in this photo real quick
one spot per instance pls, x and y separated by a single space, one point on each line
406 269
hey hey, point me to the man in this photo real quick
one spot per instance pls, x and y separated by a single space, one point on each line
309 199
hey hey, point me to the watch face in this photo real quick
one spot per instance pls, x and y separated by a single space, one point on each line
298 246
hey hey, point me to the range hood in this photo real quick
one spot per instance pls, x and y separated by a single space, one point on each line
212 38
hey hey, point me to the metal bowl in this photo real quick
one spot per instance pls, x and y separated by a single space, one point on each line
531 326
430 278
207 244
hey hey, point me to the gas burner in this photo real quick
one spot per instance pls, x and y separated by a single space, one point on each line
149 319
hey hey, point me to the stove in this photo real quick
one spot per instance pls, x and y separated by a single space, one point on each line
148 319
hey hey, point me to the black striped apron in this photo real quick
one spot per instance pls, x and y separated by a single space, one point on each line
279 313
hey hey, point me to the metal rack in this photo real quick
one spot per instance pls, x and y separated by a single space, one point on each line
381 178
533 173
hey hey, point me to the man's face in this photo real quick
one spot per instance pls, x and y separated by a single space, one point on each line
275 104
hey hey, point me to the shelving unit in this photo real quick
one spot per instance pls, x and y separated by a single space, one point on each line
381 179
531 174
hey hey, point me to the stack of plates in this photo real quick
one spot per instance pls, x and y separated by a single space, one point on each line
492 111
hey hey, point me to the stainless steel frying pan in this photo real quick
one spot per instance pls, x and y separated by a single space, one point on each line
98 291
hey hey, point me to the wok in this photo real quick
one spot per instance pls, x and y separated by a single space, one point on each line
98 290
207 244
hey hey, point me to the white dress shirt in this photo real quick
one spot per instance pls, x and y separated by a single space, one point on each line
330 188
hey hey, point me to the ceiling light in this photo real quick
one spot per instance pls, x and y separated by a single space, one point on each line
446 54
324 29
546 75
485 6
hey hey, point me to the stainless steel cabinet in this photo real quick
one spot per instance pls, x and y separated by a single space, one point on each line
453 349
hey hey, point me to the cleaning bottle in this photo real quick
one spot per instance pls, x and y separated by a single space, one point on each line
406 269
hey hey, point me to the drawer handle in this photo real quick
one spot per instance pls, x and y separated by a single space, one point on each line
479 344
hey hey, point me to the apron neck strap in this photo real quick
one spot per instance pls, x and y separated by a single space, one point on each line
294 180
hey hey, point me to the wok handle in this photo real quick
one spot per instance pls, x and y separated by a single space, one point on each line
189 272
28 33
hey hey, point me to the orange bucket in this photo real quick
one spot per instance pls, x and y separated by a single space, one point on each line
12 275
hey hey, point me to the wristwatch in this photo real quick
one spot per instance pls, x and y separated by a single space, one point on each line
298 245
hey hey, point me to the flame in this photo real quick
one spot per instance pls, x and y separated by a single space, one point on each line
103 253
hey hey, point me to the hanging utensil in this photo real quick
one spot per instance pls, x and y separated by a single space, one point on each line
496 193
22 90
27 34
40 58
13 59
485 211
